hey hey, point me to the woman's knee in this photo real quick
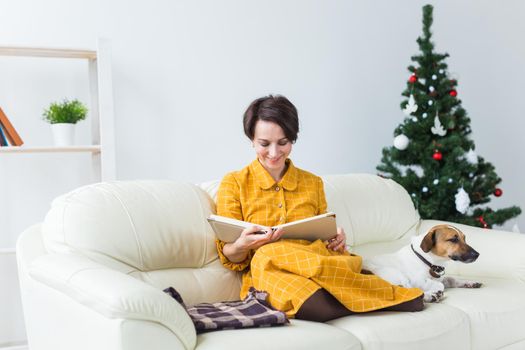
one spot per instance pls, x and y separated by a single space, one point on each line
321 307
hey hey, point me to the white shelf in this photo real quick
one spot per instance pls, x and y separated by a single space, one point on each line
51 149
7 251
102 146
47 52
22 346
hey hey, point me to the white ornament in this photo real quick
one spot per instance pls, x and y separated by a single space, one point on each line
434 77
441 71
462 201
401 142
424 189
411 106
431 88
430 102
450 180
414 119
471 175
438 129
417 169
435 182
425 115
471 157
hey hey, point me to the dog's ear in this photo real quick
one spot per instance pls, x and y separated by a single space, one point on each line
429 241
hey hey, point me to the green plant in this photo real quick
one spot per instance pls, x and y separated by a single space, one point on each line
66 112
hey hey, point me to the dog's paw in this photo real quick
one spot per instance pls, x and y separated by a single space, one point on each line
473 285
433 297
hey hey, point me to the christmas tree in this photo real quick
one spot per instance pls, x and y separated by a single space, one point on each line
433 157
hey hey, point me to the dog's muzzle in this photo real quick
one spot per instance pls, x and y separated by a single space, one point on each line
466 258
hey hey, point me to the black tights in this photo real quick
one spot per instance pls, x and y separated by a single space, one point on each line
323 306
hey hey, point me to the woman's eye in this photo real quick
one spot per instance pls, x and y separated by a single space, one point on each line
264 144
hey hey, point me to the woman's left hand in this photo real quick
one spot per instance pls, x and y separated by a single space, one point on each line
338 243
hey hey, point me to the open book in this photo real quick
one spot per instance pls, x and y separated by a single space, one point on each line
316 227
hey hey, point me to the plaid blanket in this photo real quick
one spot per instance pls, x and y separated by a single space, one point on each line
253 311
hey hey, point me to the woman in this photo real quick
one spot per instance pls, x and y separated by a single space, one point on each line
318 280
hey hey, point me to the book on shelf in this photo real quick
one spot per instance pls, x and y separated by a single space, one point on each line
3 140
9 130
321 227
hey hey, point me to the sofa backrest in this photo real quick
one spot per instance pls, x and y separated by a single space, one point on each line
368 207
153 230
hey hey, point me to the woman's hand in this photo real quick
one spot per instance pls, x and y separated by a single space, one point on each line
252 237
255 236
338 243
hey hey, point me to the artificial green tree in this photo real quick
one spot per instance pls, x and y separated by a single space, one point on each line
433 157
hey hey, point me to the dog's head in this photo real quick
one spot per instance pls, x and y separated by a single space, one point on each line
448 242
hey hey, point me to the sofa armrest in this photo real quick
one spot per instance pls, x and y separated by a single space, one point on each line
112 293
501 252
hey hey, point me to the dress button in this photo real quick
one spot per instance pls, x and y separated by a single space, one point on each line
280 205
277 188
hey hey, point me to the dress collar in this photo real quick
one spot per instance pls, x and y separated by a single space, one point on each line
266 181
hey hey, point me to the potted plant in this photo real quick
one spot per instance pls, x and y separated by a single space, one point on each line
63 117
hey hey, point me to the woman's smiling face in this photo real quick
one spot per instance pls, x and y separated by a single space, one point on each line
272 146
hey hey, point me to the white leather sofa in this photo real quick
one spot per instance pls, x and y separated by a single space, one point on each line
92 274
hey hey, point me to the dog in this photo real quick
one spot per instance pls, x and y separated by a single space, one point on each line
422 263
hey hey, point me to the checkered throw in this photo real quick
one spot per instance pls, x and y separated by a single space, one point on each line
253 311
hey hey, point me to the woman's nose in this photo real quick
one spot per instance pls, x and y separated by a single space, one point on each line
272 151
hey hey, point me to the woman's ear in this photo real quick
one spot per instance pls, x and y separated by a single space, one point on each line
429 241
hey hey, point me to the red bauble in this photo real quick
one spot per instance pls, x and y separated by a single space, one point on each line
437 155
412 79
453 93
498 192
483 222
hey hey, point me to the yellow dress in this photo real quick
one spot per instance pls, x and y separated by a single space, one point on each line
292 270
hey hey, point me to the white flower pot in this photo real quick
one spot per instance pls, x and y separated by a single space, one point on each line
63 134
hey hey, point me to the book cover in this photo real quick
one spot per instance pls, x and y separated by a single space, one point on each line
321 227
10 131
3 140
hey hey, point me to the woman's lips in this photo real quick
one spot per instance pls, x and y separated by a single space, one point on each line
274 161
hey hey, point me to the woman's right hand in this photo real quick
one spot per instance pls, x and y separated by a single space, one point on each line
252 237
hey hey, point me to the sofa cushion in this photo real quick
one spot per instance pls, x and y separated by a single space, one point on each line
148 225
370 208
297 335
495 310
438 326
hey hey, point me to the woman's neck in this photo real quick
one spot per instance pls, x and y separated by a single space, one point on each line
278 174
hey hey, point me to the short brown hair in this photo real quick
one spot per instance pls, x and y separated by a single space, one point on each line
277 109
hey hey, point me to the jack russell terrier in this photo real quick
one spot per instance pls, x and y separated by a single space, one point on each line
421 264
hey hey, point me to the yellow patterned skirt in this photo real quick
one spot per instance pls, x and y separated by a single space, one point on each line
292 270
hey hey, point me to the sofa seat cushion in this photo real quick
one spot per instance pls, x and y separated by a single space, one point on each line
438 326
495 310
296 335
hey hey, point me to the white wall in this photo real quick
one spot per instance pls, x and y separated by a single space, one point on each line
184 71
